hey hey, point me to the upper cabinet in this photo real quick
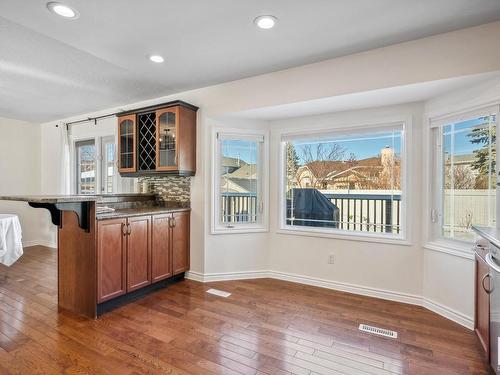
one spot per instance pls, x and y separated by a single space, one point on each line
126 143
162 140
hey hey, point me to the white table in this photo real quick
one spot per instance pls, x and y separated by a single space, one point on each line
11 246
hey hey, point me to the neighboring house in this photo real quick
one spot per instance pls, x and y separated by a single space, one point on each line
240 180
381 172
229 165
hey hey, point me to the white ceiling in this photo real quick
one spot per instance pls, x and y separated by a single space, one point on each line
52 68
417 92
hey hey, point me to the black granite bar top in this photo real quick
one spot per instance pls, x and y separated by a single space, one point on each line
104 198
141 211
491 234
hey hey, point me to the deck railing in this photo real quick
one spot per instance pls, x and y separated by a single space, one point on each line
368 212
357 212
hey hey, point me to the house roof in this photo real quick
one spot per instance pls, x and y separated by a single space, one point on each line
232 162
246 171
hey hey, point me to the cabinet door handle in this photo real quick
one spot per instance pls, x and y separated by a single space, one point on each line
129 229
489 291
174 223
123 229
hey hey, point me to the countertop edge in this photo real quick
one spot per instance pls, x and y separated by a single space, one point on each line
486 233
118 215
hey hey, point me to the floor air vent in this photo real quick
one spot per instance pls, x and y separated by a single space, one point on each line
219 293
378 331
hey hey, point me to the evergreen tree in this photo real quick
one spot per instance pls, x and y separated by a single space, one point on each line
481 135
292 161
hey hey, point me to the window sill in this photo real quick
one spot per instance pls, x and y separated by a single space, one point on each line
458 249
239 230
344 235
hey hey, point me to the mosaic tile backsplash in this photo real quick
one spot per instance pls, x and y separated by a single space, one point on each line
167 188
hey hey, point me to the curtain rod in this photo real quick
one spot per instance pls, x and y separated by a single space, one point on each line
89 119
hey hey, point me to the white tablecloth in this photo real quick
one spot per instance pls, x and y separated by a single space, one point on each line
11 246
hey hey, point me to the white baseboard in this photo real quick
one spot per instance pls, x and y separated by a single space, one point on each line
350 288
448 313
39 243
226 276
412 299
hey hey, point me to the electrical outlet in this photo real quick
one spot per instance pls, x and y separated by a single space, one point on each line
331 259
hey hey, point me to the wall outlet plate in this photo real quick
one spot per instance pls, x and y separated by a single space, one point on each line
331 259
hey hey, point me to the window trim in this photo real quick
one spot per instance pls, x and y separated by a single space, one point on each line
405 121
435 122
263 225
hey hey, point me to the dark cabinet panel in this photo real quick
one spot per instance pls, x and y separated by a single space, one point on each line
161 255
482 321
138 252
111 257
180 242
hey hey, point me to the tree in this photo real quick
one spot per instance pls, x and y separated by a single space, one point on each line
463 177
484 161
318 158
292 161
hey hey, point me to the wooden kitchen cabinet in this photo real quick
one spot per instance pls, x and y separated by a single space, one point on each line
127 141
180 241
111 259
138 252
161 255
163 140
482 303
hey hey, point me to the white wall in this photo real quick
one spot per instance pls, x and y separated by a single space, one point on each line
20 171
379 266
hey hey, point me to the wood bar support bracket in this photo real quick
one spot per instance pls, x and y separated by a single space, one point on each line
82 210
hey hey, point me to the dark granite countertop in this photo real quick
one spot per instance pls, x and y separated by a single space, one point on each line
141 211
104 198
491 234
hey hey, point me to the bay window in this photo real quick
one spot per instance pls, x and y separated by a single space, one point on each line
463 174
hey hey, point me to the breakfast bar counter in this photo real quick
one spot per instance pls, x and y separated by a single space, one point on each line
110 246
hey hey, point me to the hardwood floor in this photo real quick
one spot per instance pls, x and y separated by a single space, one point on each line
265 327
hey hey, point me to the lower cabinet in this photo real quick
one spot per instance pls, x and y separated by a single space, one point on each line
161 265
482 321
180 242
111 259
134 252
138 252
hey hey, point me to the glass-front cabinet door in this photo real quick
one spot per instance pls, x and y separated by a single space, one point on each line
127 143
167 136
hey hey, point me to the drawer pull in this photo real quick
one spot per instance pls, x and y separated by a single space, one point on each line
489 291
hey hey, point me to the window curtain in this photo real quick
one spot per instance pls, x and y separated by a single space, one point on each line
64 161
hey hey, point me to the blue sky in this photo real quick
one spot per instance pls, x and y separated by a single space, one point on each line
362 147
462 143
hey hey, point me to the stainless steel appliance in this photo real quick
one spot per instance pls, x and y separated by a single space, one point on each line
493 260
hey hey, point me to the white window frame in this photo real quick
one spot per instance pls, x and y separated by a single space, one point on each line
263 181
434 195
98 142
404 238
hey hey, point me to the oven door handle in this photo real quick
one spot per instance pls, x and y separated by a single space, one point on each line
489 260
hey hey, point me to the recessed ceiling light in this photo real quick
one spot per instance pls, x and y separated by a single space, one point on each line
62 10
156 58
265 22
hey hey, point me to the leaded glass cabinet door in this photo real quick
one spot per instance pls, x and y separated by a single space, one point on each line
167 139
127 143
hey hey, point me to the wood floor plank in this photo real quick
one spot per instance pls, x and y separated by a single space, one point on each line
265 327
